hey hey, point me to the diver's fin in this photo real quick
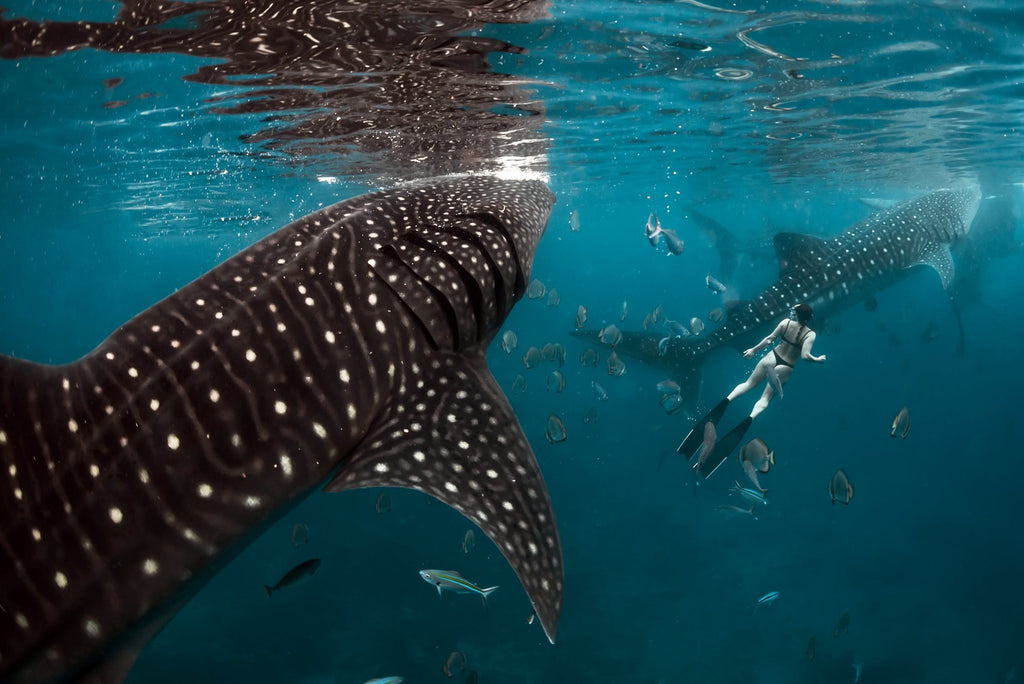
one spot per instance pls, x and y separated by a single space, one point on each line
724 447
696 437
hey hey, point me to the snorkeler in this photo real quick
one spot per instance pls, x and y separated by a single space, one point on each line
795 340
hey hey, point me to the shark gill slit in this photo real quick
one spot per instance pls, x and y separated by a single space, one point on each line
451 317
472 287
495 223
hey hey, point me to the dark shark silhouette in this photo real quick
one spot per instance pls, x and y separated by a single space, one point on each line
346 348
830 274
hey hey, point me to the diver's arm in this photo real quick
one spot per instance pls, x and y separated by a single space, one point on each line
765 343
805 351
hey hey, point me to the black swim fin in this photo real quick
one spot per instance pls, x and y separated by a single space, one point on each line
724 446
693 440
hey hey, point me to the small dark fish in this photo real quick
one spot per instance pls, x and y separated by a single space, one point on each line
300 534
901 423
842 627
672 403
574 221
658 314
114 104
648 322
532 357
556 382
558 353
383 503
589 358
456 659
581 317
714 284
810 649
109 83
600 392
871 304
547 352
303 570
840 488
554 299
590 416
536 289
519 384
616 366
716 315
468 541
930 333
555 431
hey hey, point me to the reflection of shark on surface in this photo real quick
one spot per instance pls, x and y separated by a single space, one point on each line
345 348
829 274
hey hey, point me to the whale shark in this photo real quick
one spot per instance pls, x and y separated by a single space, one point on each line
828 273
345 350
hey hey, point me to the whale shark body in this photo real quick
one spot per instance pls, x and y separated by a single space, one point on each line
829 274
346 348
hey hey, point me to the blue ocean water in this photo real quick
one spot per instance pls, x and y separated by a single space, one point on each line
767 116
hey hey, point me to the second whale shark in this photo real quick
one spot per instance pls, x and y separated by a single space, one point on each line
828 273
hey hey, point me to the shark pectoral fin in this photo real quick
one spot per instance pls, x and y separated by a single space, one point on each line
794 250
451 433
941 259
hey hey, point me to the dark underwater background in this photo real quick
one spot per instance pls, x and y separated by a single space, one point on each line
770 116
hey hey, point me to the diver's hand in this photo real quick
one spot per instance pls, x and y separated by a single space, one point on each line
821 359
749 353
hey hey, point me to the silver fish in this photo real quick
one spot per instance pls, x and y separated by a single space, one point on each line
648 322
383 503
716 315
840 488
509 341
768 599
532 357
668 387
453 581
536 289
751 495
555 431
658 314
677 328
302 571
714 284
554 299
599 391
663 345
731 511
625 311
468 541
581 317
556 382
901 423
300 534
558 354
696 326
574 221
589 357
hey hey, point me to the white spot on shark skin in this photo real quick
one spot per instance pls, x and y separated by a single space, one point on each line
329 336
419 456
154 404
150 567
252 501
36 534
21 620
381 467
351 411
92 628
94 470
133 372
3 440
116 515
61 580
280 407
250 355
204 490
320 430
450 486
173 442
286 465
73 425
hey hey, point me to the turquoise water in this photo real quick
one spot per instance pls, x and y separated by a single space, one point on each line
107 209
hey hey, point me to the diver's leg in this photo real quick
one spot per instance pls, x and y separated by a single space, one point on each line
769 393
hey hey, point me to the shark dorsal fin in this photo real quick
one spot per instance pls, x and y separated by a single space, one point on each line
941 259
798 249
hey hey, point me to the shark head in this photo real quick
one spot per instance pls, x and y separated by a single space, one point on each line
344 350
